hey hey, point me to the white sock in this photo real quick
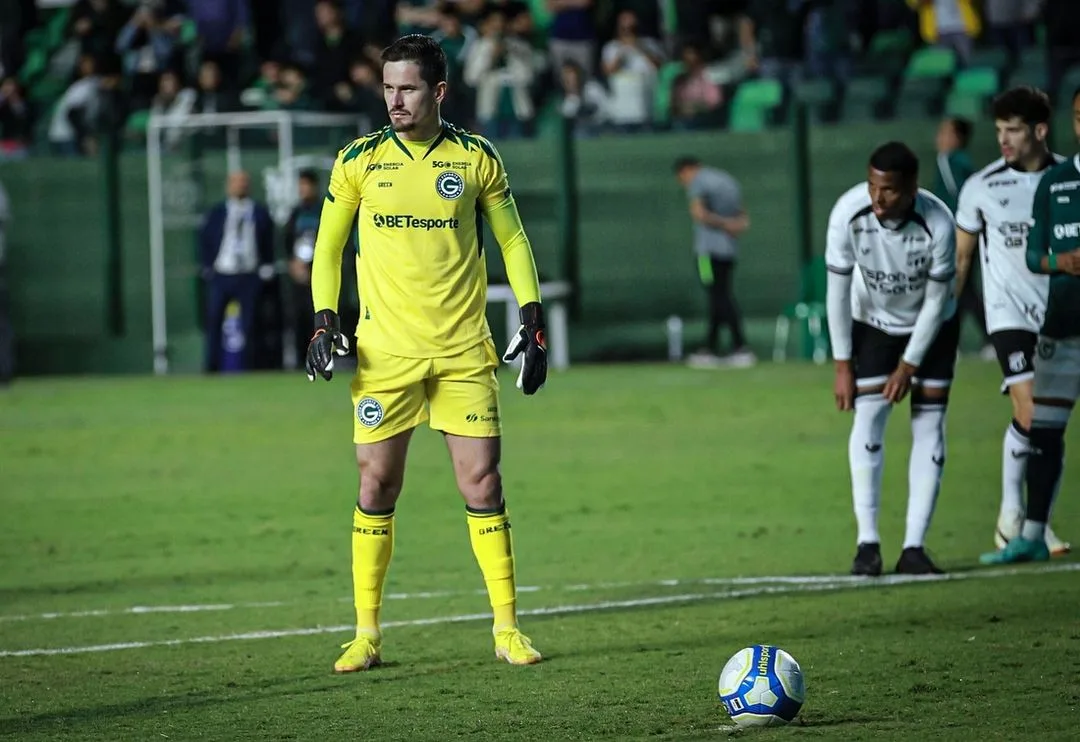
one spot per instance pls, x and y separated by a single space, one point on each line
1033 530
866 455
1014 458
924 470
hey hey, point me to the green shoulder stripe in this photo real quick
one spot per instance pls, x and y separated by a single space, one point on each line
365 144
470 141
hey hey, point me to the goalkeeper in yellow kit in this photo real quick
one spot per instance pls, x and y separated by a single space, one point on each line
424 349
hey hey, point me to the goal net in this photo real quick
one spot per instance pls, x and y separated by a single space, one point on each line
188 160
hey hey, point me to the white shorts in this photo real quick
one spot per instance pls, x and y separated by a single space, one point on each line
1057 369
1007 311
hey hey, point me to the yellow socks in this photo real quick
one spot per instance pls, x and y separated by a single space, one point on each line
372 547
489 532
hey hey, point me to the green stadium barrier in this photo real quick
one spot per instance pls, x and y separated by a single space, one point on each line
635 264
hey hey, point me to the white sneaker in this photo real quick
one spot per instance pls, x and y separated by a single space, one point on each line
704 359
741 359
1056 546
1008 527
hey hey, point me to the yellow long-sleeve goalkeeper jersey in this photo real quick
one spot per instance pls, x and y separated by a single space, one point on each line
420 267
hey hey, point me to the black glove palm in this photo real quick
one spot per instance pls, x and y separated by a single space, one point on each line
531 345
325 344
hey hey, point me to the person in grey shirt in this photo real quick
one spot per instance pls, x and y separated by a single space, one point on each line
719 219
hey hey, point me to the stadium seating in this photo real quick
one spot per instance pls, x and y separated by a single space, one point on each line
819 97
809 315
756 105
665 87
866 98
994 57
971 90
931 62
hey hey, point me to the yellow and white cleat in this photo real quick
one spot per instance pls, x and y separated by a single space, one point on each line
514 647
1056 546
362 653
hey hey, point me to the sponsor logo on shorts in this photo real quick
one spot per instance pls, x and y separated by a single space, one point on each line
450 185
1046 349
369 412
491 416
408 221
1017 361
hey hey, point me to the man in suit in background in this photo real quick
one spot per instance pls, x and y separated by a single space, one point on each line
236 246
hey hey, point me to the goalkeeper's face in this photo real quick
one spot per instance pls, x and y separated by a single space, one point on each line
412 103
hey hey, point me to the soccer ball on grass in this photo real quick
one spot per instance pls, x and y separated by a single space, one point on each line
761 686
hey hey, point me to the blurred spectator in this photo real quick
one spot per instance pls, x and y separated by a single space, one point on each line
500 67
174 103
299 33
363 93
261 92
572 35
827 37
455 38
954 164
236 247
94 24
952 24
334 50
1012 23
778 27
695 99
732 46
375 18
300 232
223 27
293 94
16 18
148 45
7 333
647 13
583 99
209 95
1062 39
85 107
630 63
16 124
417 16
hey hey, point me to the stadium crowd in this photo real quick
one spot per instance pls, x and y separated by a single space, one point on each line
622 65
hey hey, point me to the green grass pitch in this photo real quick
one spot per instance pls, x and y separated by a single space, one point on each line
195 532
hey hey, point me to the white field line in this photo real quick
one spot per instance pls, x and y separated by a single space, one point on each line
780 586
141 610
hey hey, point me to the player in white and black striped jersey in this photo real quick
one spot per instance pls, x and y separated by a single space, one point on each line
892 321
994 214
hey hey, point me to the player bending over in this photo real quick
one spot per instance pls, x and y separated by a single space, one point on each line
891 255
1053 249
424 349
994 208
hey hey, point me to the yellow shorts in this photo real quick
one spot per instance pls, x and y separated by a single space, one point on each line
459 394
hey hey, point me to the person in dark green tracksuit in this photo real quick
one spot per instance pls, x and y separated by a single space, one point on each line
954 166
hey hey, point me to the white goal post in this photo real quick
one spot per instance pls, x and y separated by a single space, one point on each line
279 181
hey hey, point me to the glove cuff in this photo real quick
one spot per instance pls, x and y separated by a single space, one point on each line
532 315
327 319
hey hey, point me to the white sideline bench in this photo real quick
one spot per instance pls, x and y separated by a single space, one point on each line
554 295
